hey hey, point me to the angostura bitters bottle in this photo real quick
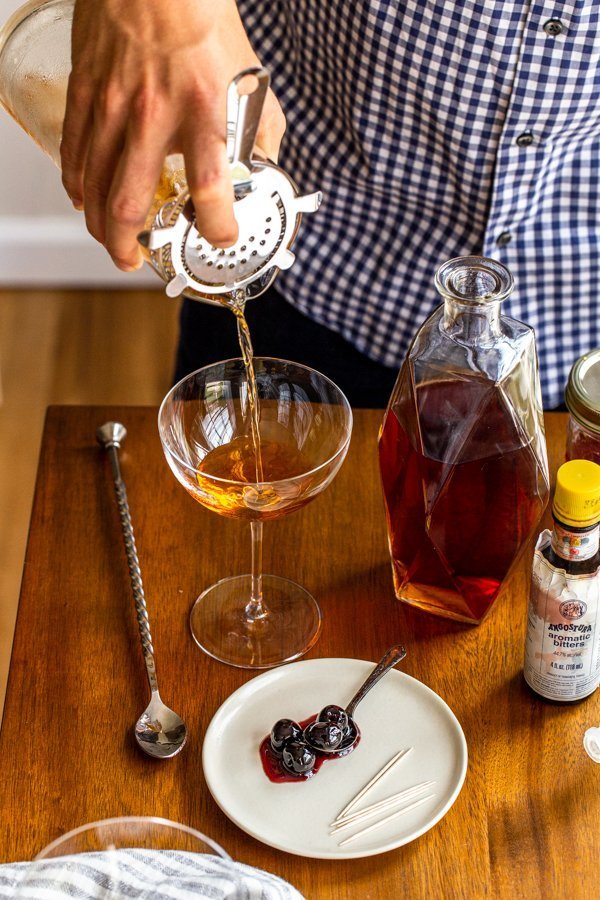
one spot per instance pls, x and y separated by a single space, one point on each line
562 648
462 447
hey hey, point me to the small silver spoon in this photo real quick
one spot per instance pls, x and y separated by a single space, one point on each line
325 739
159 731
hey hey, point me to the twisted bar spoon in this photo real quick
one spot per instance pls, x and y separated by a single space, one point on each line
159 731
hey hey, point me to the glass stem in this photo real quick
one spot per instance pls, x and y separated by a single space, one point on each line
255 609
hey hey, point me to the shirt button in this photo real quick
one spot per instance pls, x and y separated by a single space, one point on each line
553 27
525 139
503 239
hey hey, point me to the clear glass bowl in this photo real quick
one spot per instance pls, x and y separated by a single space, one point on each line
142 857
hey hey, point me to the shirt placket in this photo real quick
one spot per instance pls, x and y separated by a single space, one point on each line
521 144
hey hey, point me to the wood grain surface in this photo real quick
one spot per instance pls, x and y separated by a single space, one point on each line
67 346
526 821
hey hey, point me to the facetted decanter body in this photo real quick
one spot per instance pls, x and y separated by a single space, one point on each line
462 448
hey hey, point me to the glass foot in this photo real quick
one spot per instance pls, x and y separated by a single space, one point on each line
220 625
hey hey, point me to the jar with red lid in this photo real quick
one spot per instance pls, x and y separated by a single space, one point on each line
582 397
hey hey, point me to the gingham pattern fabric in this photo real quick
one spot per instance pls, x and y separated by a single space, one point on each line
406 115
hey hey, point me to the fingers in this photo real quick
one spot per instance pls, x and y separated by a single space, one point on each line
75 137
128 202
272 128
104 151
112 154
134 184
146 82
208 171
210 183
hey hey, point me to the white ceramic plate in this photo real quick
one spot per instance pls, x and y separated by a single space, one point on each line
399 712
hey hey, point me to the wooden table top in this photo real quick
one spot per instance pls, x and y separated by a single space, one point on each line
526 821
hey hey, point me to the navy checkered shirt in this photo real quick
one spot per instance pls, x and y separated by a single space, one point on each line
439 129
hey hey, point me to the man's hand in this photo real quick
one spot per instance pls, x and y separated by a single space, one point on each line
149 79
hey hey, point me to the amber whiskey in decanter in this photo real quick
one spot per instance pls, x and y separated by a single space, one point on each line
462 448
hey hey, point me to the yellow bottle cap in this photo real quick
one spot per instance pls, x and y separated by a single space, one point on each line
577 494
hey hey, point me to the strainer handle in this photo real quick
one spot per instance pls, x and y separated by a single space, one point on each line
243 116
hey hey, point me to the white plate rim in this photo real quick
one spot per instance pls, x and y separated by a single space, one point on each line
253 685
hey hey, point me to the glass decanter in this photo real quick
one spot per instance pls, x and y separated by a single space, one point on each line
462 448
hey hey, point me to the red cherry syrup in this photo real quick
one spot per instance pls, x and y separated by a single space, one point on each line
273 764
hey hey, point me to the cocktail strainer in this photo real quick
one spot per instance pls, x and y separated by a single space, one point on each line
267 208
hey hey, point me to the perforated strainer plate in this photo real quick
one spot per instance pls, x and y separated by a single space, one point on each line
262 224
267 208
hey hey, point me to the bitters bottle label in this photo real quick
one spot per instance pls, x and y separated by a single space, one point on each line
562 650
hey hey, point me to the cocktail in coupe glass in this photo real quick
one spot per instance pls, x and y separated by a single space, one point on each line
304 423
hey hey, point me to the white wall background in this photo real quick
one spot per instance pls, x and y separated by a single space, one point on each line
43 240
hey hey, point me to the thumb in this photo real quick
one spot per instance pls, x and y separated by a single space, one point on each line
271 128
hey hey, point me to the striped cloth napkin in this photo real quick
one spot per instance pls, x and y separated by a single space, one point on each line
141 875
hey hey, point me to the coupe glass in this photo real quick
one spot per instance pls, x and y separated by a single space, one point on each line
255 621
